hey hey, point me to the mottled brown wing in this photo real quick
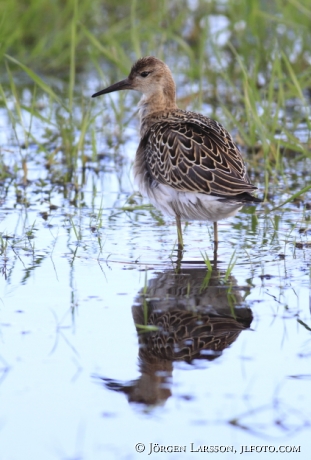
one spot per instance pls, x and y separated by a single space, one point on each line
184 334
196 155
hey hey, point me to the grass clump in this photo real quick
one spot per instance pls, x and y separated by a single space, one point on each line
243 63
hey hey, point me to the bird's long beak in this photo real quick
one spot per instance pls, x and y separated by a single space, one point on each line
123 84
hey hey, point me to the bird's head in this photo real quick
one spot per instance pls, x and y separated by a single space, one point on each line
150 76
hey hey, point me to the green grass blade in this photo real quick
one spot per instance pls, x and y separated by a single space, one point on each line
36 79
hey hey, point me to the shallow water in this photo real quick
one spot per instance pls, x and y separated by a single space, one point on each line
88 274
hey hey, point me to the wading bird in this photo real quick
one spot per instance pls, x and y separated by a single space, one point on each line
186 164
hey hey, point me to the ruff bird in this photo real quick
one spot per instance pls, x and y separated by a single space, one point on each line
186 164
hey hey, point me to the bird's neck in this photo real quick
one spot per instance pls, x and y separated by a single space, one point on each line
154 104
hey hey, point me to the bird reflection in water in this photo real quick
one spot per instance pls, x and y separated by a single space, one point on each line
189 316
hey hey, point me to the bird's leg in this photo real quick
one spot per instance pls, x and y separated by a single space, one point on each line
215 243
180 244
215 234
179 233
179 259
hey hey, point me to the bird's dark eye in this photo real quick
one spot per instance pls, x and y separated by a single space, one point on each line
144 74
